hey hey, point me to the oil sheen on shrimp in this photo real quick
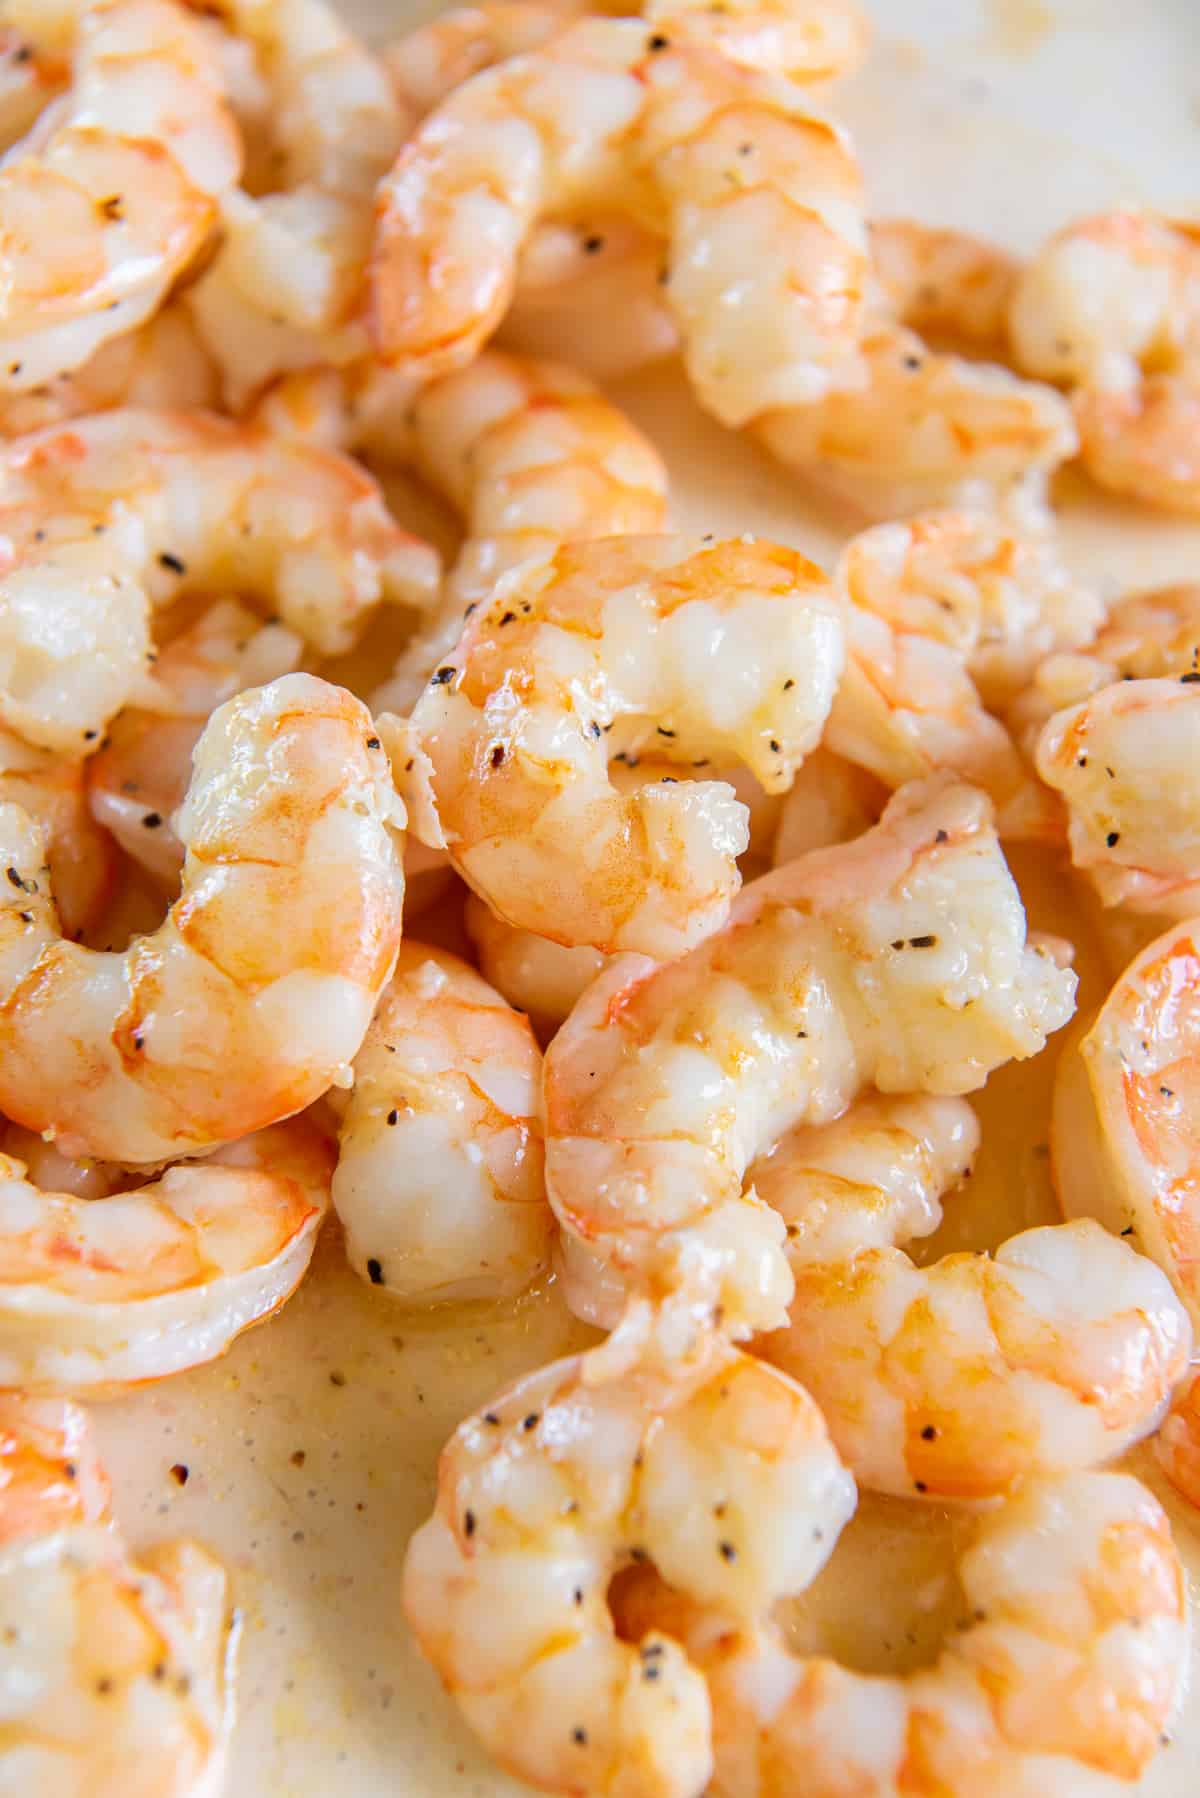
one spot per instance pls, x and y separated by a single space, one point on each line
960 1379
104 205
99 1293
254 994
754 194
79 852
439 1181
1109 307
724 1476
729 650
118 1672
1063 1670
1126 1102
898 959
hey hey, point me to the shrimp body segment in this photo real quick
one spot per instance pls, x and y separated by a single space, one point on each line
1061 1677
724 1478
439 1180
1126 1122
255 992
725 651
758 198
899 959
105 207
960 1379
117 1672
98 1293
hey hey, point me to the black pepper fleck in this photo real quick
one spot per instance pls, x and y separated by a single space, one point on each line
375 1271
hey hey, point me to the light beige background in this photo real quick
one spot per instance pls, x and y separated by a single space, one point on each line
311 1447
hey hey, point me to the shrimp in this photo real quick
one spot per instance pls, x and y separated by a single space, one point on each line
961 1379
830 801
899 958
138 780
758 200
808 40
998 595
1060 1678
96 1293
439 1178
907 707
254 994
944 283
724 1477
118 1672
729 649
162 365
31 75
1109 307
101 212
922 429
1177 1445
103 512
1127 763
80 854
1124 1136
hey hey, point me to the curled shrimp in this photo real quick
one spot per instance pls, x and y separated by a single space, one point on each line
1177 1445
139 779
726 650
439 1178
96 1293
254 994
79 853
757 198
118 1671
540 977
998 595
1060 1677
162 366
944 283
101 211
960 1379
1126 1101
724 1477
921 428
830 801
32 74
1108 307
807 40
899 958
106 511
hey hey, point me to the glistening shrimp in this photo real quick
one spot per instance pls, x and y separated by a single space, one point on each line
254 994
899 958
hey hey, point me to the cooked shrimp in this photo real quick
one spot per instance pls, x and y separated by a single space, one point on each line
1177 1444
105 510
118 1673
1060 1678
907 707
162 365
1127 763
899 958
1126 1105
998 595
758 201
254 994
30 76
79 853
960 1379
923 429
138 780
942 282
728 650
439 1179
808 40
725 1478
98 1293
536 975
101 212
1109 307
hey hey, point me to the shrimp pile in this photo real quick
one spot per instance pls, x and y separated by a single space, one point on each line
408 832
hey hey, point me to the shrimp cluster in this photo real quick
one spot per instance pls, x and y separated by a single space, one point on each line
337 593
